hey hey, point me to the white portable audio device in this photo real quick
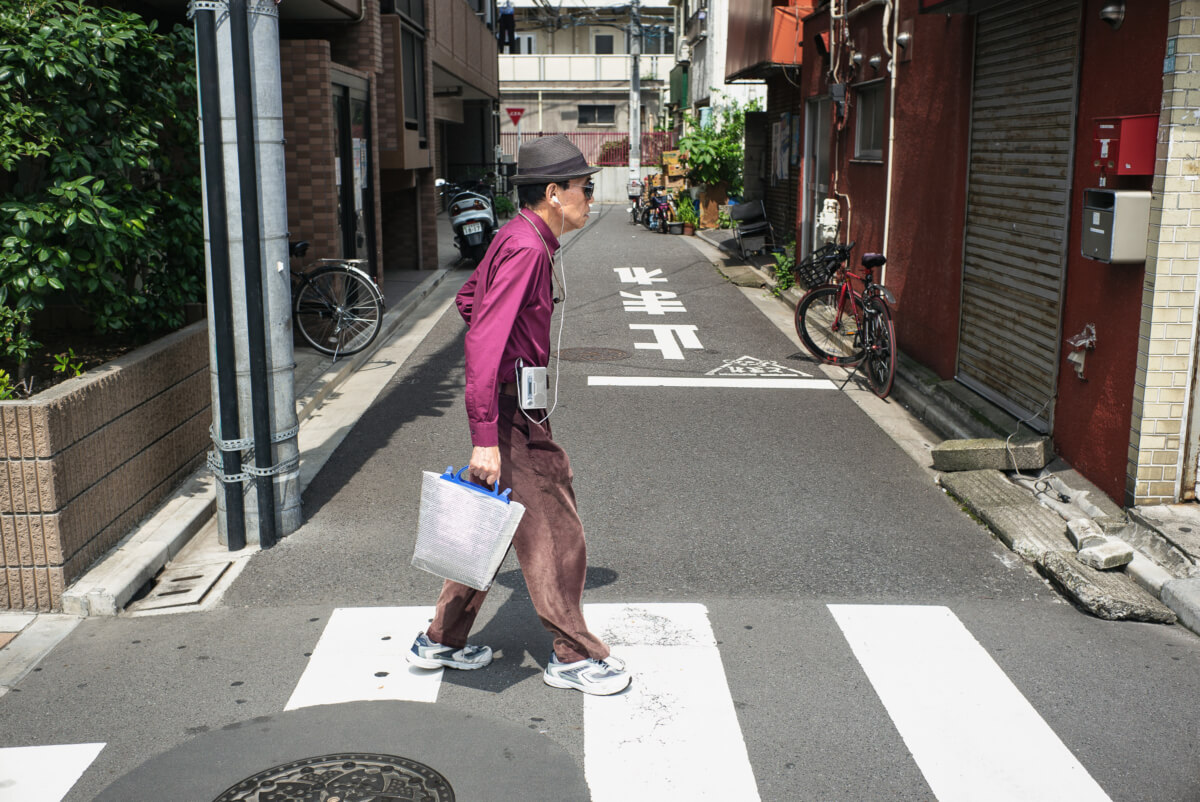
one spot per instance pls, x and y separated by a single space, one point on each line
533 386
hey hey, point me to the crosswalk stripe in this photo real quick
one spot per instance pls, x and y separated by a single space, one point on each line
711 382
674 734
970 730
43 773
361 656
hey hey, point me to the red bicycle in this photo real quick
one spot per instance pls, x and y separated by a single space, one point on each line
840 324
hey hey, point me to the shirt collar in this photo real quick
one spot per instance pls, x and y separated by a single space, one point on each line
543 228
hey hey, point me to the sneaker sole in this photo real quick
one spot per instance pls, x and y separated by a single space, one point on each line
422 662
594 690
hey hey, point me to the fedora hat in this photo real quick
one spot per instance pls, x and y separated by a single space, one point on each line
550 159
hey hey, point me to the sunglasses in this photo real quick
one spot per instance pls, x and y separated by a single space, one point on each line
588 189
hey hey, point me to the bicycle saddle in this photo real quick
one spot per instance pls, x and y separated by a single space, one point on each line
873 260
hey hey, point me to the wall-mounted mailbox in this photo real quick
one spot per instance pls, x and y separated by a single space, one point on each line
1116 224
1125 145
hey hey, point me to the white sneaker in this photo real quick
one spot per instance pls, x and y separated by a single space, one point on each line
427 654
597 677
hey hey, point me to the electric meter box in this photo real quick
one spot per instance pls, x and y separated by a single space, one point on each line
1116 223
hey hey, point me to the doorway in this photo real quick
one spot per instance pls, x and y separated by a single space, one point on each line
816 170
353 169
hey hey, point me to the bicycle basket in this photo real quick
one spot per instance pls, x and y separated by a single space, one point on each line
818 267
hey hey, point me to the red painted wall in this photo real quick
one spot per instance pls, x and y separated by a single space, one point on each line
929 180
1121 73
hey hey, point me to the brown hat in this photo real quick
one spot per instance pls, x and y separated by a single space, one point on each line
550 159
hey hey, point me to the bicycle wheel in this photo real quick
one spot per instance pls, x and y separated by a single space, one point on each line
879 341
829 334
338 310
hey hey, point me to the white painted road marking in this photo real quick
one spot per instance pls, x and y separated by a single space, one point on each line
664 338
639 275
43 773
674 734
710 381
652 302
361 656
970 731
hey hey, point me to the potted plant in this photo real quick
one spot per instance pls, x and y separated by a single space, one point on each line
685 212
713 152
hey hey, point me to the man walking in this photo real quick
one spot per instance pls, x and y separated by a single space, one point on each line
507 304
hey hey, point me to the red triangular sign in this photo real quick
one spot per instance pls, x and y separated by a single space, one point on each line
515 115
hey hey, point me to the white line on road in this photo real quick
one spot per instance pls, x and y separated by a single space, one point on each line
43 773
361 656
710 381
674 734
971 732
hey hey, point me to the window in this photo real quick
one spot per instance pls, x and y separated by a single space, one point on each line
412 46
597 115
525 44
868 136
658 40
603 44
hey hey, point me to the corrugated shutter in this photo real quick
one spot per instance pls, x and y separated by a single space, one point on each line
1022 139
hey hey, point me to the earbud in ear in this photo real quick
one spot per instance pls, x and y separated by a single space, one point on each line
554 200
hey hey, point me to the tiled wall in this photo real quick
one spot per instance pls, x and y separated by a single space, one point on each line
1162 395
86 460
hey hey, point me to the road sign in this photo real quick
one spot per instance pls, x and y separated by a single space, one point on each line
515 115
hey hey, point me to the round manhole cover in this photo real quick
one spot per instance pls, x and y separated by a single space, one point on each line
343 778
592 354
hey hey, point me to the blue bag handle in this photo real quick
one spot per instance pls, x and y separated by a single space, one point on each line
458 479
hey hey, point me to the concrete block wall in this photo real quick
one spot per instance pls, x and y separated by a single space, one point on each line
1166 353
86 460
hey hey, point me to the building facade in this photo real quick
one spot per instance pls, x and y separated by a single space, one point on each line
986 146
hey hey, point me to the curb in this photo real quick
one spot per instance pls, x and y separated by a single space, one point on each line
137 559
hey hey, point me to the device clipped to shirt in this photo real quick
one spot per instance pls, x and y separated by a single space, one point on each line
533 386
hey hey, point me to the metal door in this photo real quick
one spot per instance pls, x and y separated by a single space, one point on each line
1024 100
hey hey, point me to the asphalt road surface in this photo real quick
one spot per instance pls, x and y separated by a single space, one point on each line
807 616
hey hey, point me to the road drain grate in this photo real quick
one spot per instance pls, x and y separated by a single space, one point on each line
181 585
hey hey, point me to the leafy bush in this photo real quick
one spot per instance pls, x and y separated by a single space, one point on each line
99 169
785 269
714 151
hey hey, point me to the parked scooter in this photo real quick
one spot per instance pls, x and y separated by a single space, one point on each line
473 217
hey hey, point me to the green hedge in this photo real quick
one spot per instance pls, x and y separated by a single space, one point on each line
100 200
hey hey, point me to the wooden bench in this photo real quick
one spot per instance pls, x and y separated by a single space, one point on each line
751 227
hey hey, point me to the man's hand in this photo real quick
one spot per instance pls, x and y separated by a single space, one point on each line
485 464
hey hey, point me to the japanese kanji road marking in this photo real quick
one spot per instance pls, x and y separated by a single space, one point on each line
664 338
639 275
652 302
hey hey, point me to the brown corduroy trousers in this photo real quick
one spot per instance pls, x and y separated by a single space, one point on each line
549 542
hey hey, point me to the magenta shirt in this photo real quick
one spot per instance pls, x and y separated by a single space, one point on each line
507 303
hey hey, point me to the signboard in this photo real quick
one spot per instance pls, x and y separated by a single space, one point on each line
515 115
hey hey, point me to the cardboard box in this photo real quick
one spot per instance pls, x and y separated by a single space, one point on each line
670 157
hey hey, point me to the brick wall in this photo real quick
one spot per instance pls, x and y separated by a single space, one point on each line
308 127
86 460
1166 356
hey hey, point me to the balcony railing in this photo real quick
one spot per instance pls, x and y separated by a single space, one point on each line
582 68
600 149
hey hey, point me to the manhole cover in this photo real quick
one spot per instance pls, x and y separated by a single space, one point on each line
592 354
343 778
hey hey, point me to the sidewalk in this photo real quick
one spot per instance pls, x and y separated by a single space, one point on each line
184 525
1047 513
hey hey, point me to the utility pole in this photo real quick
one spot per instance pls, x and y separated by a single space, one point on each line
635 92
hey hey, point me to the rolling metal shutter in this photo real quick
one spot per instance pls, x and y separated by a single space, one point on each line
1018 191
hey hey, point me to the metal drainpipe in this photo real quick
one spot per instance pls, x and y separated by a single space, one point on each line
221 300
258 116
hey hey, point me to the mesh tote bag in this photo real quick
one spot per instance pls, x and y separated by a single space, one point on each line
464 530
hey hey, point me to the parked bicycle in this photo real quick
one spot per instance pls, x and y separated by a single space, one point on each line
336 306
840 324
635 201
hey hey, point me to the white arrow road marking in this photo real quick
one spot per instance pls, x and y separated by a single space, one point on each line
43 773
710 381
674 734
970 731
361 656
